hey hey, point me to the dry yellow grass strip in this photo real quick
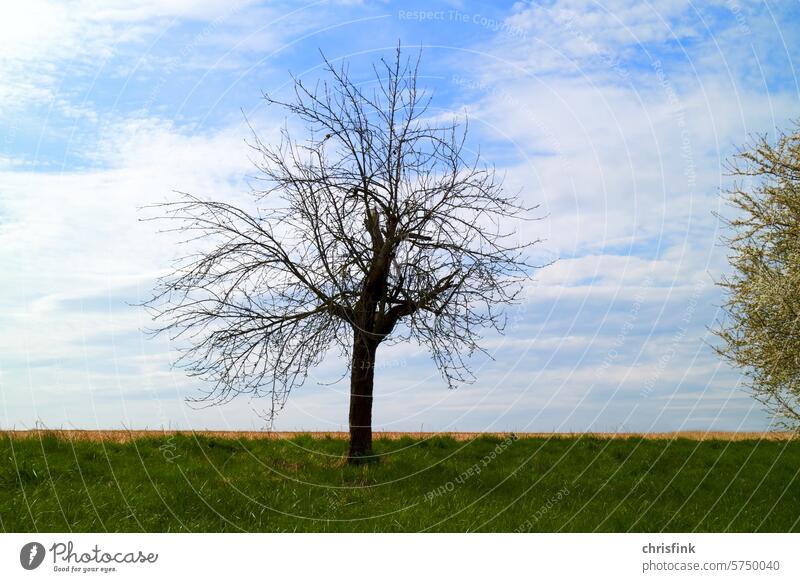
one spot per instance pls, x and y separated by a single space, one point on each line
121 436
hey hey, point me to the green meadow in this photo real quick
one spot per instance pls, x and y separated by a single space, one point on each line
196 483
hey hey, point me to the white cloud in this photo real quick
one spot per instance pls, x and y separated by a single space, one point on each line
602 144
73 237
43 40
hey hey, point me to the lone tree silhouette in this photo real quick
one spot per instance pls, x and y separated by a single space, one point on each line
376 227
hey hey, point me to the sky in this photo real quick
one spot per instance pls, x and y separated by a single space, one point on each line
616 117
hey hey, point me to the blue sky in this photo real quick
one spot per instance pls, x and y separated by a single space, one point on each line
616 117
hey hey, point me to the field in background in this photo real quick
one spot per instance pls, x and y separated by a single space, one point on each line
122 436
156 481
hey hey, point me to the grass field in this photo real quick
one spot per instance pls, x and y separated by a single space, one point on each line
196 482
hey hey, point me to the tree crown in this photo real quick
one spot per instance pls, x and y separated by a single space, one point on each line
761 333
378 223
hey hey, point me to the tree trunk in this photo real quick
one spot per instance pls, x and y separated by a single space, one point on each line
361 382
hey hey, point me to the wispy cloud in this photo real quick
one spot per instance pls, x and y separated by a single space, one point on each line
616 117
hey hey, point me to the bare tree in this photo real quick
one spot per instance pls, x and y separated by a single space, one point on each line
376 227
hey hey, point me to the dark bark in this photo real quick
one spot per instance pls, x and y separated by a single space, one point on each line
361 383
